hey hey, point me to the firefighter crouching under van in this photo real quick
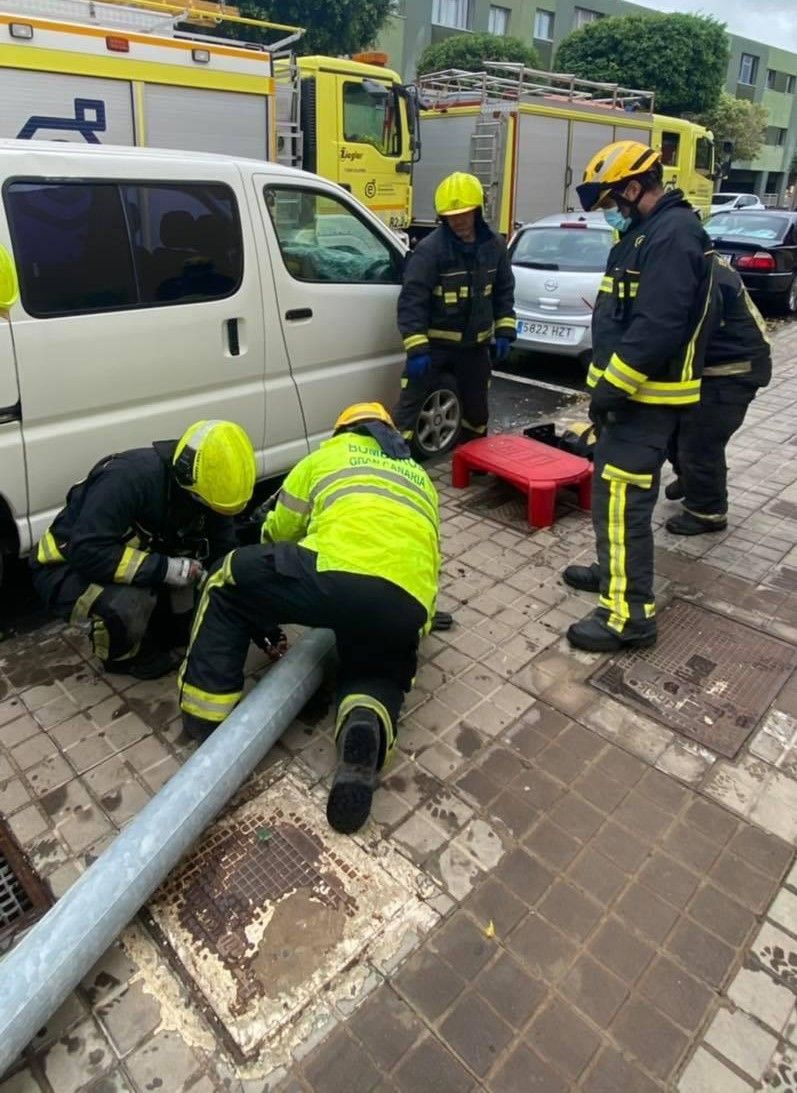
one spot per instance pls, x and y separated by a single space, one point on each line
458 293
124 554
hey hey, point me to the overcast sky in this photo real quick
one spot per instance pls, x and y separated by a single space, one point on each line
772 21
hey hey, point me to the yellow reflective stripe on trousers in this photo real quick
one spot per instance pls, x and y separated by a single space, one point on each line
48 552
84 604
593 375
610 473
205 704
129 564
445 335
350 702
473 428
413 340
101 639
222 576
615 601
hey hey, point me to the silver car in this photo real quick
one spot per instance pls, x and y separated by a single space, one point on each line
558 263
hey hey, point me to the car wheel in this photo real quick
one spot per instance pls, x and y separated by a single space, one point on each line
439 420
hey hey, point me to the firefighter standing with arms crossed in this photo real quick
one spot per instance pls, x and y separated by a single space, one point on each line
458 294
649 331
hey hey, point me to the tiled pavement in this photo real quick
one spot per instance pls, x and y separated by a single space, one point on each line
619 904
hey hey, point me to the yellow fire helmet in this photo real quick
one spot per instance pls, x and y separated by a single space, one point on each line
610 167
363 411
215 461
459 193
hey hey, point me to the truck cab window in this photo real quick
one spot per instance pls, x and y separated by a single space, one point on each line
670 143
322 239
370 116
704 157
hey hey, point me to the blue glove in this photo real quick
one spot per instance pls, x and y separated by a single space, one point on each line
417 367
502 348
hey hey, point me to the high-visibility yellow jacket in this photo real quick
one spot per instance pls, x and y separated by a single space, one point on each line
362 511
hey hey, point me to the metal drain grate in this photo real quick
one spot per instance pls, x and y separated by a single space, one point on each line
22 895
708 677
504 504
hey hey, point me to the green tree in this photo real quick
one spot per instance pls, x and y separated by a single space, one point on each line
683 58
738 122
470 51
333 27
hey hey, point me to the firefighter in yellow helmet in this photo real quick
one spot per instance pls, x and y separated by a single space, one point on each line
124 554
650 326
457 299
351 545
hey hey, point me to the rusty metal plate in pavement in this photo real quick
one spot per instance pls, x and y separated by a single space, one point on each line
275 920
506 505
708 677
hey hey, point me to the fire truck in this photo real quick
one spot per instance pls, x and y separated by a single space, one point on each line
155 74
528 135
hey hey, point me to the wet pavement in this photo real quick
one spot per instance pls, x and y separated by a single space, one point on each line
558 890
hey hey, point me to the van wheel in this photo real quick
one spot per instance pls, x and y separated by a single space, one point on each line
439 420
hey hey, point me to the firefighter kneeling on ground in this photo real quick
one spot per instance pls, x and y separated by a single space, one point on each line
649 329
738 362
351 546
458 294
125 553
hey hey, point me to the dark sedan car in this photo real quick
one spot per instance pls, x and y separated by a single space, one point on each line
762 246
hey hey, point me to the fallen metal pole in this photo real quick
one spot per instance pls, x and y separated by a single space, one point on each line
62 947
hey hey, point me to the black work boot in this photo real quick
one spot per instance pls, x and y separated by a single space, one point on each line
674 491
686 523
360 746
197 727
586 578
593 635
148 663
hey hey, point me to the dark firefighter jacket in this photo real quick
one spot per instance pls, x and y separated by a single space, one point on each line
653 312
122 523
456 293
738 345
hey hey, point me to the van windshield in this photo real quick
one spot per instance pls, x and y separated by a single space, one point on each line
569 250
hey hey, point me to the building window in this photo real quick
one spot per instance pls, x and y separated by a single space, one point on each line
543 25
771 77
792 80
452 13
583 16
775 136
498 22
748 69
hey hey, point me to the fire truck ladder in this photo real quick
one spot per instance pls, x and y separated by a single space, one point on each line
290 147
487 159
158 17
505 85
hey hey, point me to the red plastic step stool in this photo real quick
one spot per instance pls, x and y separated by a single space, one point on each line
537 468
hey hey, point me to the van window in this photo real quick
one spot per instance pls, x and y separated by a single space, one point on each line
321 239
83 247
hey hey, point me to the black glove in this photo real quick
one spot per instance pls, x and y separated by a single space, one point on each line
273 642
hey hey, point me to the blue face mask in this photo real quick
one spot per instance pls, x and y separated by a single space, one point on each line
615 219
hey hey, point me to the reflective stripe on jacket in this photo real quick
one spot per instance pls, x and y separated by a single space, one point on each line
362 512
455 294
654 310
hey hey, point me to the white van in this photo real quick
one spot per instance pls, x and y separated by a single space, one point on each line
157 288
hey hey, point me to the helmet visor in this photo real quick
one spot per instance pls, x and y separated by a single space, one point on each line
593 195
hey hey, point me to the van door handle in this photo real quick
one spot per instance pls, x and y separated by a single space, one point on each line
233 341
297 313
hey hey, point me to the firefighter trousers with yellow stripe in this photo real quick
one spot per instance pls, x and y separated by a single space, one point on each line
470 367
629 455
117 616
376 624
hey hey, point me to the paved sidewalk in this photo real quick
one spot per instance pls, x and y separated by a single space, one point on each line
566 894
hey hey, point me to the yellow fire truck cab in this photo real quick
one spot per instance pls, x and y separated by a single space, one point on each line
152 73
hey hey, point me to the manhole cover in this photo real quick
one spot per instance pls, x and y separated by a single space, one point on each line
274 918
707 677
22 895
506 505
